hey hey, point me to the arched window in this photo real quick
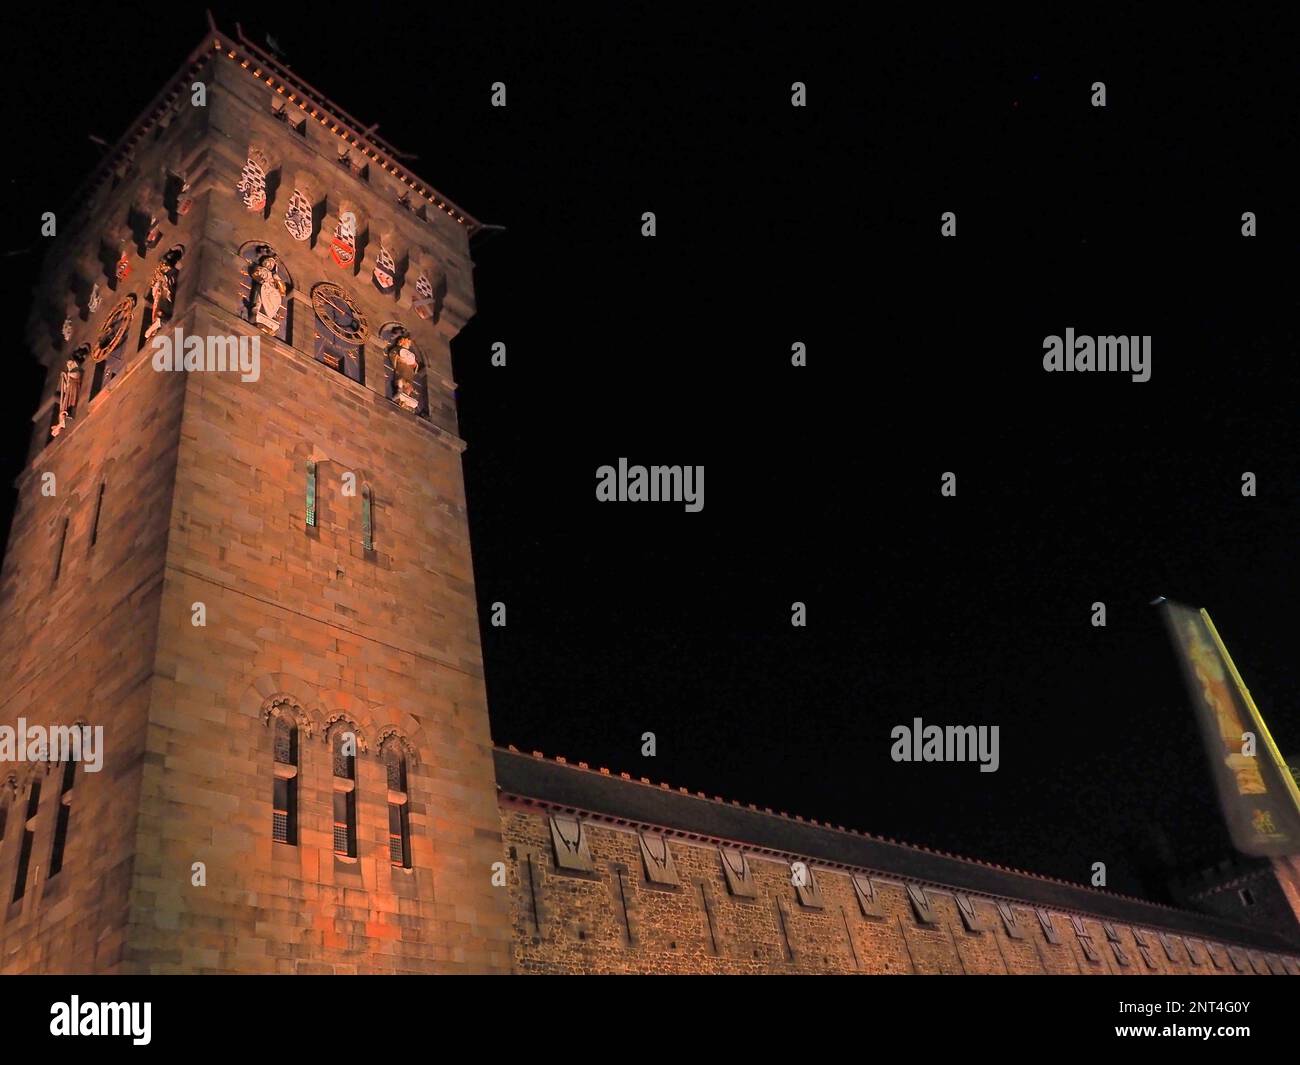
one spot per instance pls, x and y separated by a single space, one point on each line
341 329
399 819
405 380
344 741
284 806
266 290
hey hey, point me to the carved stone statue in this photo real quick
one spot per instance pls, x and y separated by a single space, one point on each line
162 289
408 395
408 387
69 388
268 294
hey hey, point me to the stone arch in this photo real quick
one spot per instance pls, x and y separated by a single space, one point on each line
342 718
284 705
34 770
338 705
272 688
394 734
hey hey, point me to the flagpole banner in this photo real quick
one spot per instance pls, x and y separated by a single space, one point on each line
1256 792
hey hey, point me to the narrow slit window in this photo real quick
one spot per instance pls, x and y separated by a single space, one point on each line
99 507
64 816
345 793
60 838
399 815
29 837
311 494
284 802
367 526
58 555
345 824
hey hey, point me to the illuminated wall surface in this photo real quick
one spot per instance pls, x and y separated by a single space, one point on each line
236 614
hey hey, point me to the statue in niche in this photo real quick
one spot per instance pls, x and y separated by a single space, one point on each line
406 373
268 293
66 330
69 388
93 304
407 395
123 267
162 289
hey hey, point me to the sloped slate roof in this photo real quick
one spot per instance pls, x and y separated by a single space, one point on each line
619 798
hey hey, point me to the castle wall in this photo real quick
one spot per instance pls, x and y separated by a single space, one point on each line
610 875
611 923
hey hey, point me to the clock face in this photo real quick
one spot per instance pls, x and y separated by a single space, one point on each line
338 314
112 332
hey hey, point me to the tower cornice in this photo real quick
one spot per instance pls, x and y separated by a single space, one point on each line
312 103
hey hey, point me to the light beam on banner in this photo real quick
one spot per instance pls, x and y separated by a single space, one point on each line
1256 792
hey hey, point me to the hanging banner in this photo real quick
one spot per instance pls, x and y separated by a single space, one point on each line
1257 793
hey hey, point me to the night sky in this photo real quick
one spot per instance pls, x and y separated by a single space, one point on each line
821 225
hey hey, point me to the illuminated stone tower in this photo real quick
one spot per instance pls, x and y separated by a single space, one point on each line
241 572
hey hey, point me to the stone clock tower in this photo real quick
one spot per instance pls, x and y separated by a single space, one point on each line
241 549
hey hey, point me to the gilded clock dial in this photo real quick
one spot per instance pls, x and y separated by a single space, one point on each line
114 329
338 313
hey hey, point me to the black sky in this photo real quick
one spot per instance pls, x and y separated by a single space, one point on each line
821 225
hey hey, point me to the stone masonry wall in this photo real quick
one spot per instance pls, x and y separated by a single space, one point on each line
613 920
